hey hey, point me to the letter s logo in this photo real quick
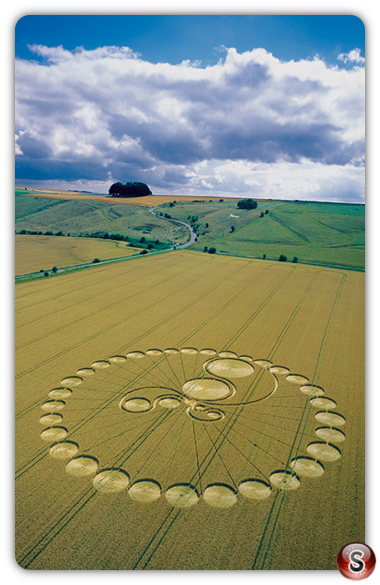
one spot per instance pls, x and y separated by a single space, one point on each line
356 565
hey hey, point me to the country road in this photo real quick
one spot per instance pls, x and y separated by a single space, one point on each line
193 236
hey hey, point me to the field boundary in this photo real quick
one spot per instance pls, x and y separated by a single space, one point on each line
308 263
65 269
193 235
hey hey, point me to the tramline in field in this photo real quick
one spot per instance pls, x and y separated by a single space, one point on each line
191 391
176 394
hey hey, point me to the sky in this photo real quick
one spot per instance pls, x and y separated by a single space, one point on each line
252 106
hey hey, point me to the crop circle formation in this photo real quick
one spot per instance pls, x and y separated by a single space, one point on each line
111 420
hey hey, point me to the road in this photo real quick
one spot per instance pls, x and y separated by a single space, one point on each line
193 236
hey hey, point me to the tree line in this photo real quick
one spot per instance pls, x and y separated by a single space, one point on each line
133 242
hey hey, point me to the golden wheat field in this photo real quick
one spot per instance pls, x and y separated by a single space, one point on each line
189 411
35 253
146 201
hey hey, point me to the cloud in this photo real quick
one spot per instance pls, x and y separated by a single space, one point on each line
304 181
104 115
353 57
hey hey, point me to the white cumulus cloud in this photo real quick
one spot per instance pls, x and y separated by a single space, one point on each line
92 117
353 57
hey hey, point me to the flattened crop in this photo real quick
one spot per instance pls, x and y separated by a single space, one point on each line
189 411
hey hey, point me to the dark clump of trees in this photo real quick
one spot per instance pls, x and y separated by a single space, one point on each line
129 190
247 204
283 258
211 250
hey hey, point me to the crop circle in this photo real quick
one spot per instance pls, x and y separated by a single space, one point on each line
111 480
206 389
220 496
145 491
136 405
65 450
229 368
52 434
179 424
82 466
324 451
307 467
284 480
182 496
255 489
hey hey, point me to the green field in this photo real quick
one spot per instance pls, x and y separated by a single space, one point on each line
330 234
88 217
320 233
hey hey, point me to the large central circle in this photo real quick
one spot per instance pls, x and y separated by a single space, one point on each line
206 389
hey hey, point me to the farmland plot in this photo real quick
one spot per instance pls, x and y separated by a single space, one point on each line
34 253
189 412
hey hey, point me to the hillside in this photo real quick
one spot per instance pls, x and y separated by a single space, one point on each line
331 234
87 217
320 233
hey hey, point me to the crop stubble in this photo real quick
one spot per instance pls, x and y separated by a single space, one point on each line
304 319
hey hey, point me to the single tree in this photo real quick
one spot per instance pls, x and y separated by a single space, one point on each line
211 250
282 258
295 260
264 256
54 269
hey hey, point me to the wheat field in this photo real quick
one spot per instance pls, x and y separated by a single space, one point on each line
146 201
35 253
189 411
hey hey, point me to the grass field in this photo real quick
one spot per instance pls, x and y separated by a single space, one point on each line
321 233
35 253
87 217
330 234
190 411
